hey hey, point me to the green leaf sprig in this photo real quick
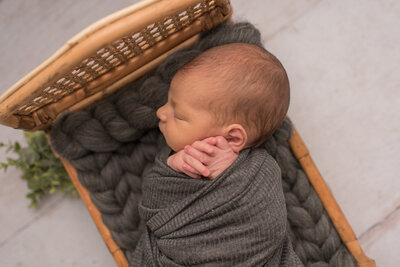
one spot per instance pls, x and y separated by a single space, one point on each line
43 172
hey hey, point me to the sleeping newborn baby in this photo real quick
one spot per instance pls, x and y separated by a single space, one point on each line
221 107
237 94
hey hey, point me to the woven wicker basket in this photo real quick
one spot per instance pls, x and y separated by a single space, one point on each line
116 51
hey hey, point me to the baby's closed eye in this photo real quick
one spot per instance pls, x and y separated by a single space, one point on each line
179 116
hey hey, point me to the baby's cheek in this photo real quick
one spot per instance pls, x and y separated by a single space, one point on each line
172 139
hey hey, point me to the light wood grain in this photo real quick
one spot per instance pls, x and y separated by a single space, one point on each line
114 249
331 206
27 105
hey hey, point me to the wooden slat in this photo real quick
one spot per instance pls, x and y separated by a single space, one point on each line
331 206
110 84
130 77
115 250
105 233
134 20
74 40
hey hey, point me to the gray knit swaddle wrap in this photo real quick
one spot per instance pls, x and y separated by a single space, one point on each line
113 144
237 219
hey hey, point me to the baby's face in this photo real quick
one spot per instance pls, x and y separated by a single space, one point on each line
183 119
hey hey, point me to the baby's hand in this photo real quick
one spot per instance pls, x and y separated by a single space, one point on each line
176 162
209 157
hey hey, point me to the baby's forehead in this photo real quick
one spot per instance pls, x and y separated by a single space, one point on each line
197 88
206 84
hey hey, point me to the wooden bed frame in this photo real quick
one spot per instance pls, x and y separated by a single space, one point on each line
116 51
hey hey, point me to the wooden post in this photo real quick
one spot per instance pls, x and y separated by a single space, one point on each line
331 206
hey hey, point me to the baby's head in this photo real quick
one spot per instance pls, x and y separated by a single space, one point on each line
239 91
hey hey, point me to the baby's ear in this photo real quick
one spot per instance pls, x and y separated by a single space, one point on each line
236 136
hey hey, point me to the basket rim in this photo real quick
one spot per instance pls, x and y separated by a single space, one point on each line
83 34
35 101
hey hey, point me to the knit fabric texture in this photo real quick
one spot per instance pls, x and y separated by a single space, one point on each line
113 145
237 219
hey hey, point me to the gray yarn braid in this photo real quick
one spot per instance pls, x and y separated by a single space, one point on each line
313 235
113 144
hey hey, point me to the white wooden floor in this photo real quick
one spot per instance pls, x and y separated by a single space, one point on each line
343 60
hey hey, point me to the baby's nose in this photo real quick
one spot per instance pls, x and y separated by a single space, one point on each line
161 114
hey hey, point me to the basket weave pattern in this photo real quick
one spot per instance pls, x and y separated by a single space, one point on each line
106 56
112 56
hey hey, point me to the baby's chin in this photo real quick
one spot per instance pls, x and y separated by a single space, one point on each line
175 147
171 145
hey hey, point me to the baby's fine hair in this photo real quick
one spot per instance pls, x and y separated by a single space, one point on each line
251 88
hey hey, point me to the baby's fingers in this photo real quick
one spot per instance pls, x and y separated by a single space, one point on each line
204 146
210 140
189 171
196 165
198 155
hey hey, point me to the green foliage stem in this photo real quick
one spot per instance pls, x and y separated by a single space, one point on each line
43 172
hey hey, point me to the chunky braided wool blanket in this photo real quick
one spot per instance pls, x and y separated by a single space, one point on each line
113 144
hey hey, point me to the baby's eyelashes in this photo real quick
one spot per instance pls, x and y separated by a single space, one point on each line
178 118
